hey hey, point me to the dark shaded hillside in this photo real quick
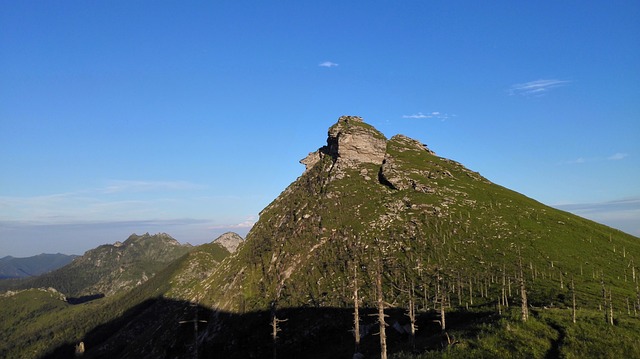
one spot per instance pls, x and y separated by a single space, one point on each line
164 328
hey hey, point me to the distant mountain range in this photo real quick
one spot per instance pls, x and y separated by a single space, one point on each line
110 268
379 247
12 267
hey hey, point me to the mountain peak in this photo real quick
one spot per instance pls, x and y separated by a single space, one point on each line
350 142
230 241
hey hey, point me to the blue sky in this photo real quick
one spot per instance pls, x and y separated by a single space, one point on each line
190 117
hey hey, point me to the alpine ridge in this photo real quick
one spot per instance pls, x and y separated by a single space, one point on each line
433 228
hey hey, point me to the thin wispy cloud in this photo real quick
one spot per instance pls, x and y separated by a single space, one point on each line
116 200
118 186
537 87
617 156
614 157
434 114
248 223
622 213
328 64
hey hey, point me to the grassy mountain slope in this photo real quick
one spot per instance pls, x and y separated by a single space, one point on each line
47 321
110 268
433 225
422 212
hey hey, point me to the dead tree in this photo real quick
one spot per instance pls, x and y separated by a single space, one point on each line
275 328
604 299
441 298
412 314
381 315
195 322
505 299
523 291
573 299
637 306
356 314
610 308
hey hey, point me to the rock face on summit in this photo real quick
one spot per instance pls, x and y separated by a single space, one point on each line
230 241
350 141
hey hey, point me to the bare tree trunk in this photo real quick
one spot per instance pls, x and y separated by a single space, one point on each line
459 290
610 308
275 329
412 315
604 298
523 291
425 299
381 315
505 299
638 299
573 295
442 297
443 324
356 305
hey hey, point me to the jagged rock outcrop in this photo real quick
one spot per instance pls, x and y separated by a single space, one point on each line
230 240
350 142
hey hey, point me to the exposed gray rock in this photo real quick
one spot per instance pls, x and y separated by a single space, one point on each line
230 241
311 159
350 142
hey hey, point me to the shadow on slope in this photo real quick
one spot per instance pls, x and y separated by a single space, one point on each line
164 328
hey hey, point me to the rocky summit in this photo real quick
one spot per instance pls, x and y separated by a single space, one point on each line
230 240
350 141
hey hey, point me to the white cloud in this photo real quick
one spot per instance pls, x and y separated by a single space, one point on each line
536 88
617 156
623 214
578 161
328 64
248 223
117 200
614 157
118 186
434 114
